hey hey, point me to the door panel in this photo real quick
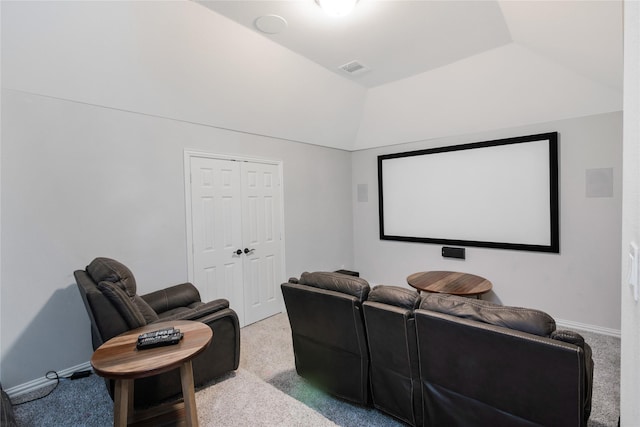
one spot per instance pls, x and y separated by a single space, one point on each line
261 210
216 211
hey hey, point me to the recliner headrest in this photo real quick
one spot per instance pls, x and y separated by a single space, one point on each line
351 285
395 295
110 270
521 319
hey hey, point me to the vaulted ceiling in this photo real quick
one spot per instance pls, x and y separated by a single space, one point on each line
434 68
399 39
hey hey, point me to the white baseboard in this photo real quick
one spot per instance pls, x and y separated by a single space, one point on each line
568 324
38 383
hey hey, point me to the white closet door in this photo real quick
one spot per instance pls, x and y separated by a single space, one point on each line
236 234
261 224
216 221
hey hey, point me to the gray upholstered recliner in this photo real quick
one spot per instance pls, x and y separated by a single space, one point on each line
485 364
393 352
329 341
108 290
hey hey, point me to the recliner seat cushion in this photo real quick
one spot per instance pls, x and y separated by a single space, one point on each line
337 282
521 319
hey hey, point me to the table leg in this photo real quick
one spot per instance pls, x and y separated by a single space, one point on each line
188 394
130 410
122 402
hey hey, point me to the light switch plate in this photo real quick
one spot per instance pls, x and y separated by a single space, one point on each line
633 269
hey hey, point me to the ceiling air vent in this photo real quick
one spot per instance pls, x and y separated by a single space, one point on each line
354 67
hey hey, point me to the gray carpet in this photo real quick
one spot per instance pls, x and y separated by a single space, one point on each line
266 391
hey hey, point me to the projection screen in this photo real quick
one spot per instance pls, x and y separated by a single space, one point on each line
498 194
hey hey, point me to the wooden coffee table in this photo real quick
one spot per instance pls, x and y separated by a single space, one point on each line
450 282
119 360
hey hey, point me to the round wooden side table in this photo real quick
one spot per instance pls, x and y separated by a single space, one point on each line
119 359
450 282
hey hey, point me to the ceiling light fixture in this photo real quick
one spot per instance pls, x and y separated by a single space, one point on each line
337 7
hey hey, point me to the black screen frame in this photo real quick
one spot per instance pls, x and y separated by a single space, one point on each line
554 211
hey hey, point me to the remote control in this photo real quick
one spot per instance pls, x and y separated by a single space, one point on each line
159 341
159 332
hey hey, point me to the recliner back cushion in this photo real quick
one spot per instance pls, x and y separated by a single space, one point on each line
522 319
337 282
117 283
391 335
329 340
123 304
148 313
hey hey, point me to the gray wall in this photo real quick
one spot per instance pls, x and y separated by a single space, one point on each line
81 181
580 285
100 99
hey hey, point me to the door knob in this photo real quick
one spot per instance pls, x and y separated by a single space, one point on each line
248 251
239 252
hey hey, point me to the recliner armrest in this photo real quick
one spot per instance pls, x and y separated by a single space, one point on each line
195 311
182 295
577 339
568 336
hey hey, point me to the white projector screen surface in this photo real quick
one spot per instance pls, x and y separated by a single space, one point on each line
499 194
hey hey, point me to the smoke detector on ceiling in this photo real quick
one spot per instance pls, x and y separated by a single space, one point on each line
354 67
270 24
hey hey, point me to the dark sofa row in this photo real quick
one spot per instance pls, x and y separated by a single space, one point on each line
437 360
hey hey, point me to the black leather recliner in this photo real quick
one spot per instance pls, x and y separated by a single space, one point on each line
329 341
393 351
108 290
467 363
486 364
